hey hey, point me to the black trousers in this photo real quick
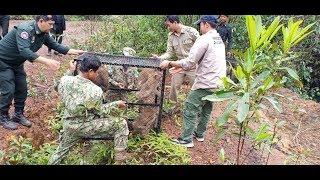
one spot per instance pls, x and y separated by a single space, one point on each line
13 86
4 23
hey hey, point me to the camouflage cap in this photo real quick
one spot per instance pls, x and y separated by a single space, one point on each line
128 51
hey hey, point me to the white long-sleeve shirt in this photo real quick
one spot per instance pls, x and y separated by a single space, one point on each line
208 55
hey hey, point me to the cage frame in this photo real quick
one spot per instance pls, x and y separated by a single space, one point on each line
134 61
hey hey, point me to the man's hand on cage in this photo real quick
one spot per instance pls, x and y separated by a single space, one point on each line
75 52
122 104
120 85
164 64
175 70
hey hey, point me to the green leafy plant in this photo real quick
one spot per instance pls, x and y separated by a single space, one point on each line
261 68
55 123
157 149
168 106
132 113
21 151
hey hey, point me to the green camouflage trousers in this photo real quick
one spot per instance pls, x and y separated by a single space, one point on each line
75 129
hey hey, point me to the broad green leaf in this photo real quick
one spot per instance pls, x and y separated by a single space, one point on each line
260 78
225 116
274 103
303 31
220 134
243 108
293 31
301 38
251 28
292 73
270 32
222 155
225 94
275 32
263 137
227 80
259 29
249 61
268 83
219 97
285 39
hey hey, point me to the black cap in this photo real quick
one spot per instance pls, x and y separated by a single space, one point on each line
208 18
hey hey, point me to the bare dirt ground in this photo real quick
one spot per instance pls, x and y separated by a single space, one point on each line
300 137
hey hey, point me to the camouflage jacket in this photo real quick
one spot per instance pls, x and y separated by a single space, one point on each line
125 75
76 92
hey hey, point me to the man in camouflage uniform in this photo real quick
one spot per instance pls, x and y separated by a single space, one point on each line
77 92
180 41
123 76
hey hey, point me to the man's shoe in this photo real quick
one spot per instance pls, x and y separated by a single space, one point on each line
18 117
198 138
6 123
179 141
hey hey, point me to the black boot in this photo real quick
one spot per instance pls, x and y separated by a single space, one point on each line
18 117
6 123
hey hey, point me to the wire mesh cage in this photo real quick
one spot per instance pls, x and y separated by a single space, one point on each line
138 81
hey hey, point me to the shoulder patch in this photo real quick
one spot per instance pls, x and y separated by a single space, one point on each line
24 35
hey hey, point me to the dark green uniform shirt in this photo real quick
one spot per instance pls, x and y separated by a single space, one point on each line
21 43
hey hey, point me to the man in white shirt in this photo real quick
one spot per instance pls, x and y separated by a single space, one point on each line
207 55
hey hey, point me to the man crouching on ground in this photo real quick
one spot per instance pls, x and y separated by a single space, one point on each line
75 92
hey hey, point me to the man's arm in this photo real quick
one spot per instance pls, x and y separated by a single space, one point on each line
24 43
51 43
196 53
170 51
119 104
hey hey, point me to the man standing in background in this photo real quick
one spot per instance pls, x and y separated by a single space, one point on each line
4 23
57 30
180 40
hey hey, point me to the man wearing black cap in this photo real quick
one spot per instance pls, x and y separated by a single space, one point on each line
207 55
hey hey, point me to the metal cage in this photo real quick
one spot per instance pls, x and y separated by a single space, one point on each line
141 63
